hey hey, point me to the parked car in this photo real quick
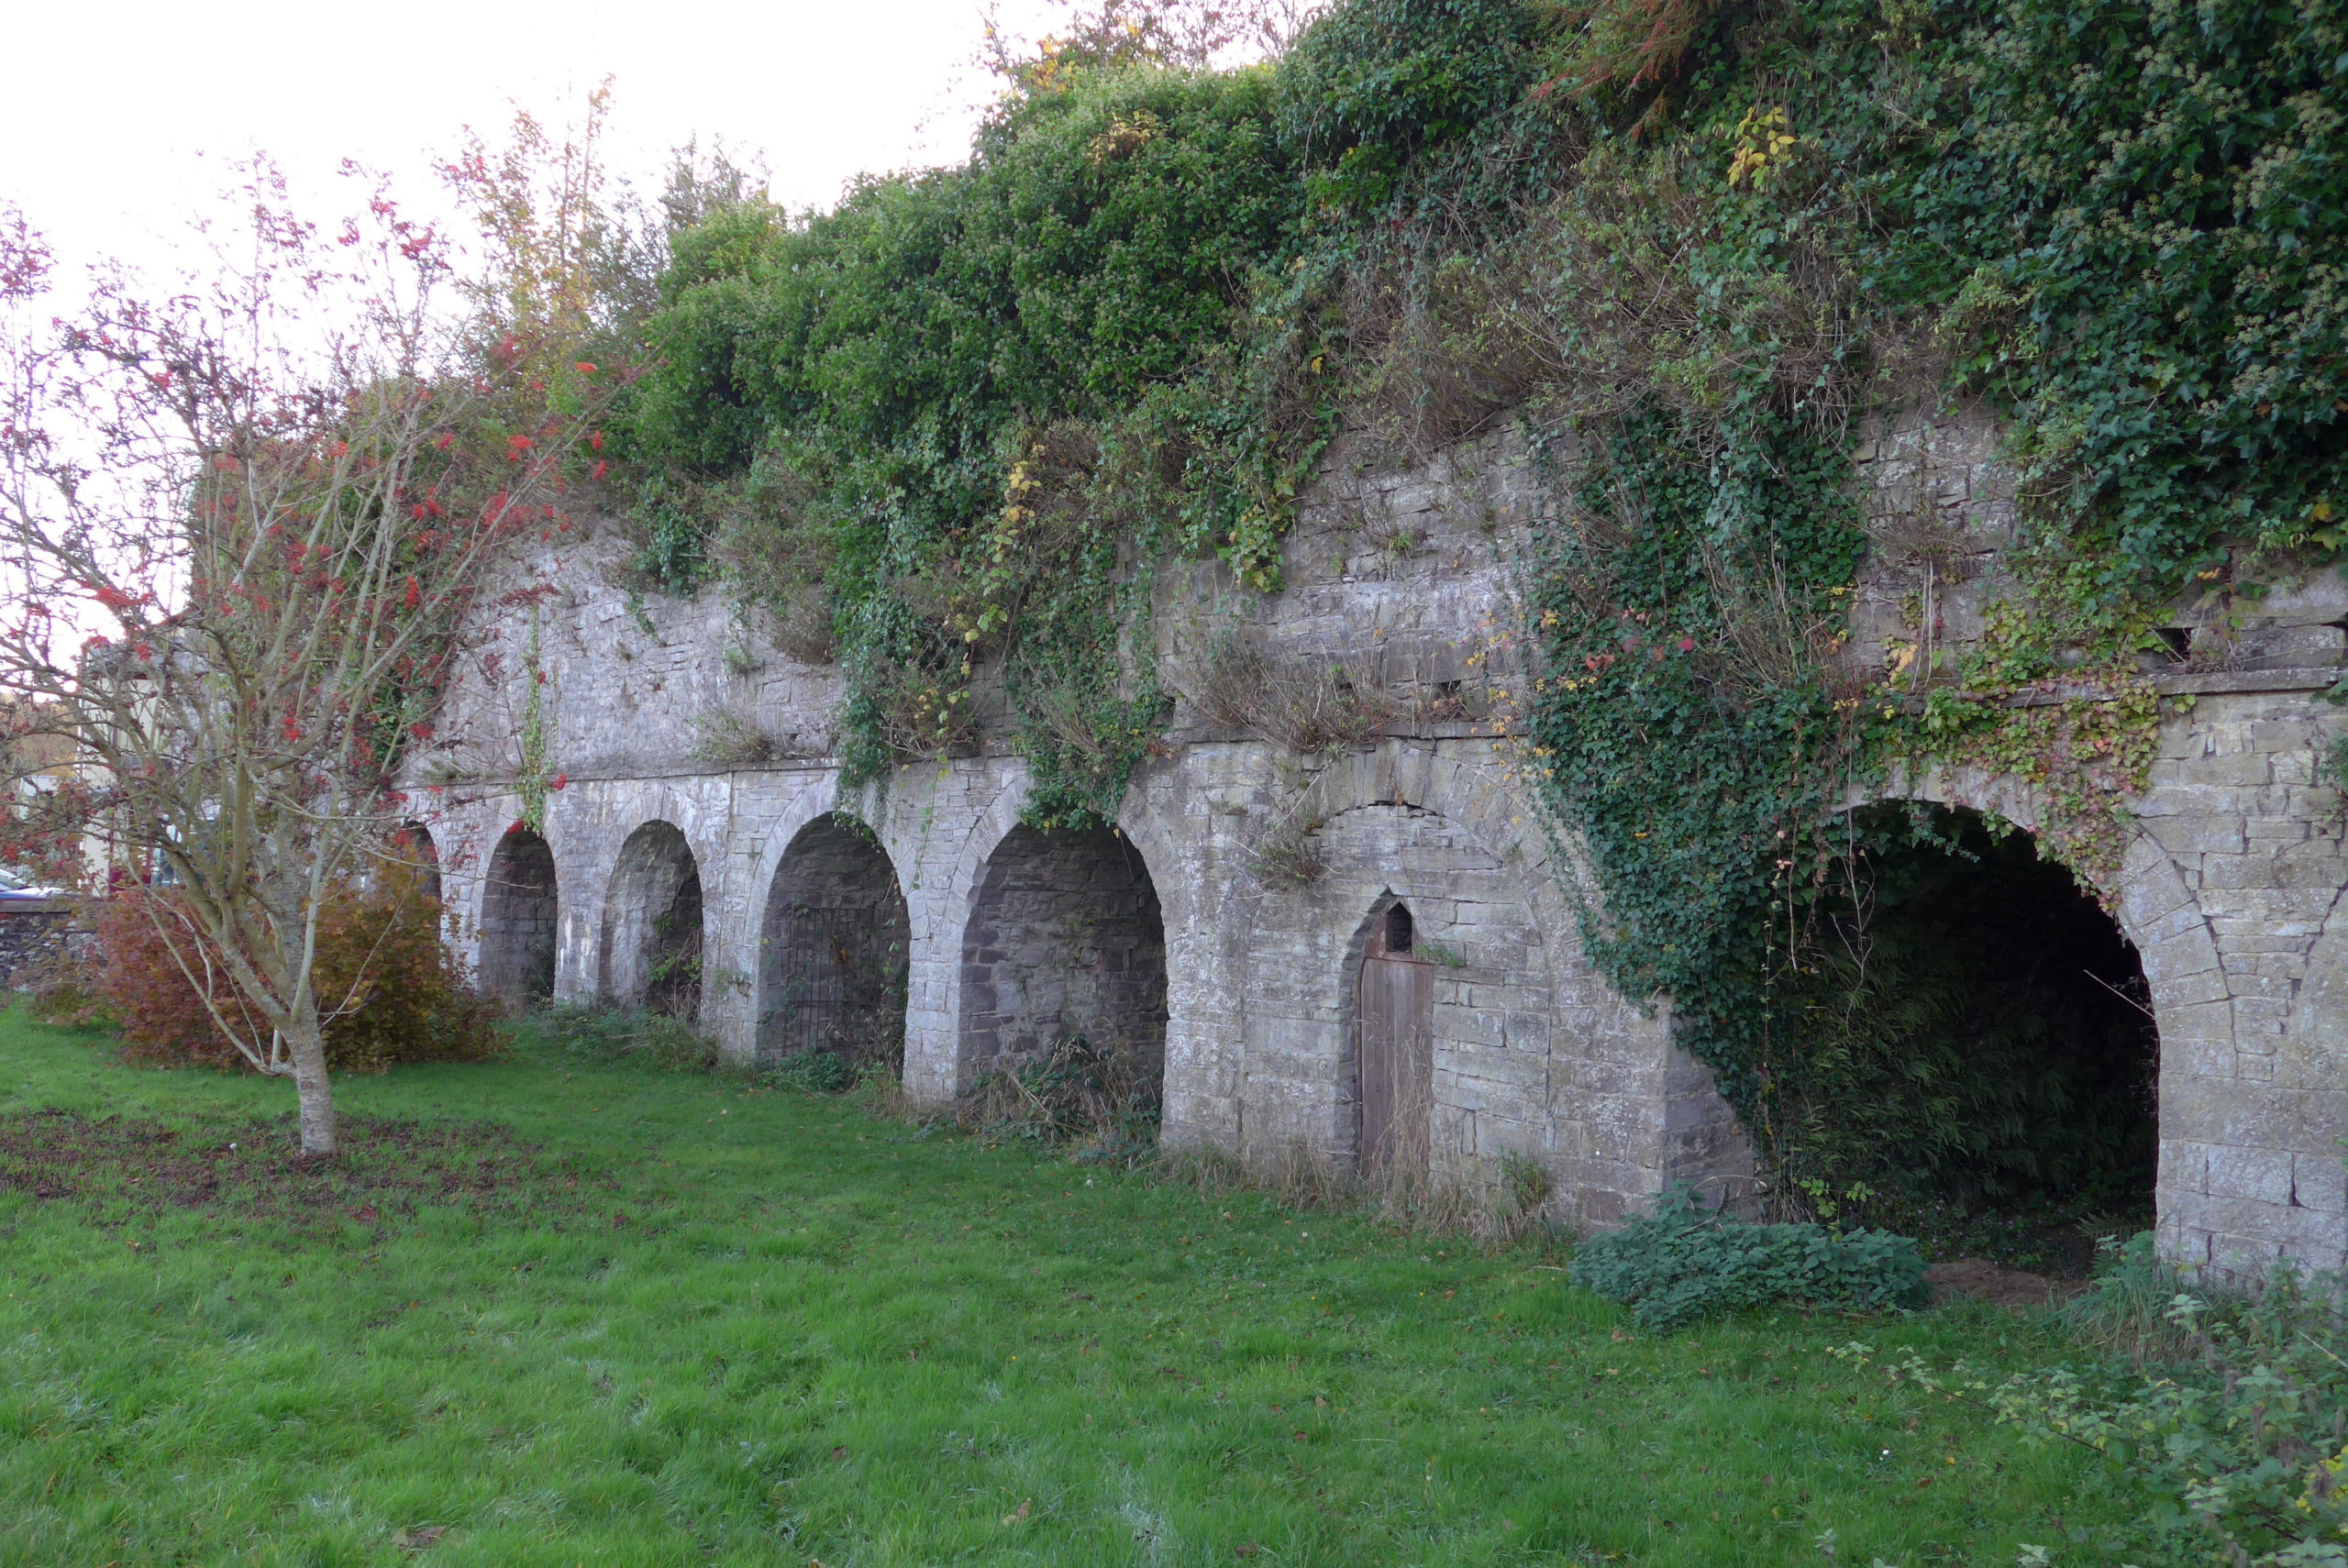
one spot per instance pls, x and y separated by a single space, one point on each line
20 893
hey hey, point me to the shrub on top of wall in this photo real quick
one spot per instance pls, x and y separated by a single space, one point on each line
392 991
1686 1262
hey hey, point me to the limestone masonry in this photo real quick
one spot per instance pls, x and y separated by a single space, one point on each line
1182 941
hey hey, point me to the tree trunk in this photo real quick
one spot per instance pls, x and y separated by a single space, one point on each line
308 1049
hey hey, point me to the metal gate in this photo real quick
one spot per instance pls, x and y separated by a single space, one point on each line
1394 1055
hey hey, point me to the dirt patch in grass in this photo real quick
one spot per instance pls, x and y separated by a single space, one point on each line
1976 1279
388 1168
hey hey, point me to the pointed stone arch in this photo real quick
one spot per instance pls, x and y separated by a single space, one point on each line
1064 939
835 947
650 949
520 910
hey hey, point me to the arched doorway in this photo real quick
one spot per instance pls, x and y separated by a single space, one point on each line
518 920
651 946
1965 1047
1393 1049
835 948
1064 959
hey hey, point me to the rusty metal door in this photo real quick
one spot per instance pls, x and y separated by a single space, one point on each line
1395 1050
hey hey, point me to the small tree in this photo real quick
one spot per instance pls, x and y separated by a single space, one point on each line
242 528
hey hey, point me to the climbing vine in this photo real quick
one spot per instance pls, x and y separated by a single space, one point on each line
534 740
1698 252
2103 222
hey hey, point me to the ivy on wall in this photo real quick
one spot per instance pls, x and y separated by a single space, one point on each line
1693 249
2115 224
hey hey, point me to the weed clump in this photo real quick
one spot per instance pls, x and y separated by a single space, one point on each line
1078 1095
2235 1423
2221 1413
812 1072
1686 1262
1289 856
1313 706
727 737
601 1032
1498 1214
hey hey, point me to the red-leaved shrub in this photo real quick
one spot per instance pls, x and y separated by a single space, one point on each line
392 991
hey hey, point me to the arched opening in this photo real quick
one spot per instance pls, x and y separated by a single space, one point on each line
652 947
518 920
1064 967
835 949
1965 1049
1393 1049
415 858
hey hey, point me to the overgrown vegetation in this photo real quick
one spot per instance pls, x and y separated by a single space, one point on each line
1698 252
1853 210
598 1032
1095 1103
1687 1262
392 990
813 1071
2225 1426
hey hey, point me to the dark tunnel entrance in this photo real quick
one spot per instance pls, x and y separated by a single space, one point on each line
1967 1050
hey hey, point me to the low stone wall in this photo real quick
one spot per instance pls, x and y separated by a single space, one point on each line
32 943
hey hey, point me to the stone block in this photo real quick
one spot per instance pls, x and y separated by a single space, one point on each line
2175 990
2265 1175
2202 834
2259 913
2232 871
2315 867
2317 1182
2183 1164
2228 769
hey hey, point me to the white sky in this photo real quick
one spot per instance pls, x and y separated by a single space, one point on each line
117 117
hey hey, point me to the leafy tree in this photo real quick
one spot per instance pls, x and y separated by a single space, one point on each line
242 523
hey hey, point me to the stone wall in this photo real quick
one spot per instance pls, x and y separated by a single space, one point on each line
33 941
1402 578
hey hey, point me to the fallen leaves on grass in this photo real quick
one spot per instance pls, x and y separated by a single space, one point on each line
387 1166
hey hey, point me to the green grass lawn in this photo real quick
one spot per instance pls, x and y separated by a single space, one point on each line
588 1314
